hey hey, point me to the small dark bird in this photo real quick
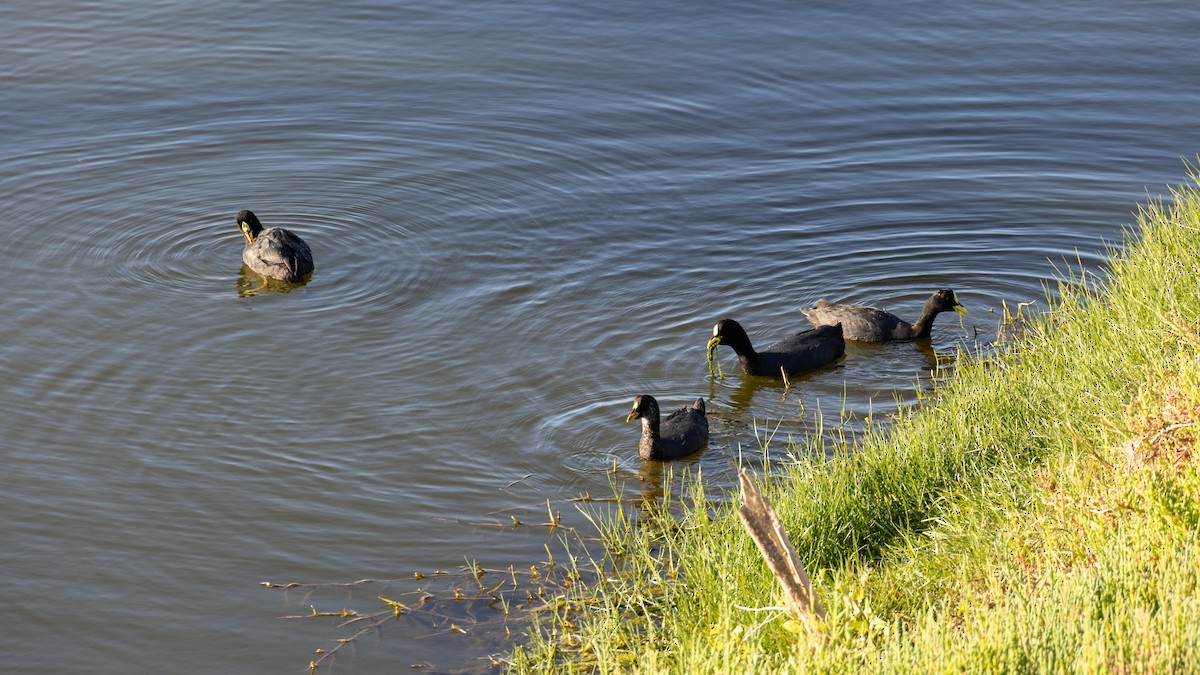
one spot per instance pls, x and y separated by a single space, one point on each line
274 252
868 324
680 435
796 354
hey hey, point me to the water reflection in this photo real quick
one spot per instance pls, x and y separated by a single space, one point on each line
742 395
251 283
927 358
657 477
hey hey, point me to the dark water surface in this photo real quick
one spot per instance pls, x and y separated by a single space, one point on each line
523 214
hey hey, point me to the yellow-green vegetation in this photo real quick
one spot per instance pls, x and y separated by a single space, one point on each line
1039 512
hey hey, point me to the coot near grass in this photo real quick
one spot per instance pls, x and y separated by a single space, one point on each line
868 324
799 353
680 435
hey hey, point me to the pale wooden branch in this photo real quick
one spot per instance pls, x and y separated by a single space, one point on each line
760 520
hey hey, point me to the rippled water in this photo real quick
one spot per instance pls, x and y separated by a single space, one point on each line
523 214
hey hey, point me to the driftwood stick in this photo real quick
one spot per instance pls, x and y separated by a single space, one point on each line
766 530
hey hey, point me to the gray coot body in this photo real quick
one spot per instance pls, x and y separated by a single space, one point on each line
801 352
680 435
274 252
868 324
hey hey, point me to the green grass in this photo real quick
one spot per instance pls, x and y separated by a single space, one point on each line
1039 512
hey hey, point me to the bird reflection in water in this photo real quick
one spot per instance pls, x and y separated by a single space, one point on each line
251 283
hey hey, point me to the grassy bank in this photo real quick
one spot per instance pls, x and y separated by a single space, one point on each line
1041 512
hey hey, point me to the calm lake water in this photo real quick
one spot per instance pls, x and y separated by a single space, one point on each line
523 214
